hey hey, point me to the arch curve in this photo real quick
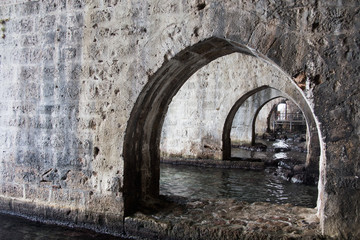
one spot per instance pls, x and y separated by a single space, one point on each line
259 97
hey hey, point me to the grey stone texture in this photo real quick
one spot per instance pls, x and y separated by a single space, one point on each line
86 84
226 219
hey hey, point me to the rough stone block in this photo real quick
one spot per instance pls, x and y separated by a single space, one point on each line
47 23
59 195
28 8
100 16
30 40
5 11
24 26
76 21
28 74
76 4
74 34
49 37
34 191
13 190
31 92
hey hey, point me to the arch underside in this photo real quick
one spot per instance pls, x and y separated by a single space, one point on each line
142 139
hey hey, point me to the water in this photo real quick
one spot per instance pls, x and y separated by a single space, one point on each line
251 186
243 185
279 149
14 228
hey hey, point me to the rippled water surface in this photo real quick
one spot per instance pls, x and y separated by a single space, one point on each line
244 185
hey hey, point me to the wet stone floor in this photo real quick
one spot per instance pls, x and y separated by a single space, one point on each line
185 218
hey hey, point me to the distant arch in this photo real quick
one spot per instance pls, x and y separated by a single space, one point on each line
312 158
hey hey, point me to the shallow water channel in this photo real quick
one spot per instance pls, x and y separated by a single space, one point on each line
243 185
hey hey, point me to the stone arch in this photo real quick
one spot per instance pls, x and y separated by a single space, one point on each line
141 143
271 112
253 126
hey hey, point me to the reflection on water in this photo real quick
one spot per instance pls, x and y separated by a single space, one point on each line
250 186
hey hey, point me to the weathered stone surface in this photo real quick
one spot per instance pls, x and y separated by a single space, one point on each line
224 219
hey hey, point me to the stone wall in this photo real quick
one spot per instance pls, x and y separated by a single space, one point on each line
52 104
74 72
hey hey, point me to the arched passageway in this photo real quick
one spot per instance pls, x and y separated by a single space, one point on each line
283 115
259 97
247 112
271 113
141 143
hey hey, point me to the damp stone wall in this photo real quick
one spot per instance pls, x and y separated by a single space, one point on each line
71 72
